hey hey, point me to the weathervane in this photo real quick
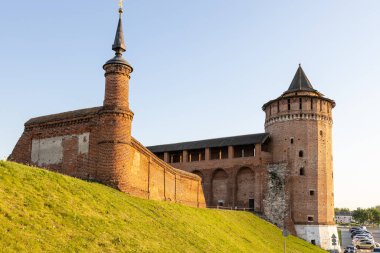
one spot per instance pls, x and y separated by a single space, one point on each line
120 6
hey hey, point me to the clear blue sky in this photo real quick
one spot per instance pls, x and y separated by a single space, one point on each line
203 69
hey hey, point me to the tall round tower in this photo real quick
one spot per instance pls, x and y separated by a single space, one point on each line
300 125
115 118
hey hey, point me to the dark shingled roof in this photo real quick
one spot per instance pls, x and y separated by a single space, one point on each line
64 116
300 82
211 143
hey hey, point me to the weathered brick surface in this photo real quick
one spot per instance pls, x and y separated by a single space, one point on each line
307 130
110 155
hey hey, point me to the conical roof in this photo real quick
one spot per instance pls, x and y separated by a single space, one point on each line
300 82
119 45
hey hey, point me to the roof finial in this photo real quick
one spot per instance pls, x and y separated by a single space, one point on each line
119 45
120 7
299 64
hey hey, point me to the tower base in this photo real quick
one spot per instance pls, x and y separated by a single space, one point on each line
320 235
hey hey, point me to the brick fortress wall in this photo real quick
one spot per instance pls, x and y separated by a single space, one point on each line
96 144
67 143
233 180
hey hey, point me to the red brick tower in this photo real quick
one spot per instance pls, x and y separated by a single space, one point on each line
114 134
300 125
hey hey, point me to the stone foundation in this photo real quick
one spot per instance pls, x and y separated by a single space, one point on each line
319 234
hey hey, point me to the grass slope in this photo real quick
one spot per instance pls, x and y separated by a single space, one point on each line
42 211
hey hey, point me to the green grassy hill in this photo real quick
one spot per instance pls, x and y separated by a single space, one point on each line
41 211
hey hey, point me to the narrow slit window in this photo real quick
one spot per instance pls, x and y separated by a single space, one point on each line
288 104
300 154
291 140
311 104
302 171
278 106
300 103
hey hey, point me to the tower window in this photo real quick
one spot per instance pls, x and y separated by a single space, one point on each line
291 140
313 242
320 105
311 104
312 192
278 106
302 171
300 154
288 104
321 133
310 218
300 103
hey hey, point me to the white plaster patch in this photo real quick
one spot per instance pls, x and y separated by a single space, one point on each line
320 233
50 150
83 143
47 151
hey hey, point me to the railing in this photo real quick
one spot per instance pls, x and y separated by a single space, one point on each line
246 209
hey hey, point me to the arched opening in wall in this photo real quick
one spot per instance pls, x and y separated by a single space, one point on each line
219 188
302 171
245 183
300 154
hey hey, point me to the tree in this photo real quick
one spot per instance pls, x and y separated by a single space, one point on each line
373 216
360 215
370 215
341 210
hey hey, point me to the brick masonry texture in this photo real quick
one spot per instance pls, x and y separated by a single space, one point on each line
286 176
303 139
96 144
289 179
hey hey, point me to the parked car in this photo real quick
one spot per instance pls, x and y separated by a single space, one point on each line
350 249
365 244
361 233
355 242
377 249
359 230
354 228
362 236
